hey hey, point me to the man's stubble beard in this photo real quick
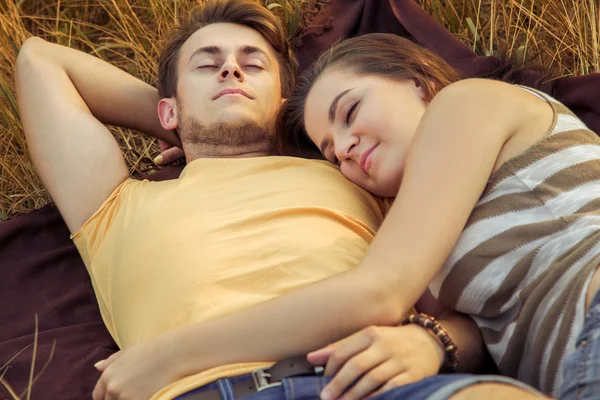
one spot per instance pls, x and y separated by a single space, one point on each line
225 137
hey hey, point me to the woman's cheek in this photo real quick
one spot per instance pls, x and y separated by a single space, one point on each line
352 173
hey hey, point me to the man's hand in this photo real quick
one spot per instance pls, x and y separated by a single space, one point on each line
137 372
377 359
168 153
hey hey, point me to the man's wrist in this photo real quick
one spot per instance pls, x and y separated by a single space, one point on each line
435 328
436 345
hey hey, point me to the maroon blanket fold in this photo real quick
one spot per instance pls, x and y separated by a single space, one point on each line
41 272
347 18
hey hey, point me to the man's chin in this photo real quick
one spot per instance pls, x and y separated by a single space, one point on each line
233 114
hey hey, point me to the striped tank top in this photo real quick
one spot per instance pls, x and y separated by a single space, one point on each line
522 265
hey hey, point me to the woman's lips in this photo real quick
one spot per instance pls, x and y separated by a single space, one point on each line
365 159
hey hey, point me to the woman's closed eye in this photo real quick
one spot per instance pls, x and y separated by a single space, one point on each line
350 112
333 157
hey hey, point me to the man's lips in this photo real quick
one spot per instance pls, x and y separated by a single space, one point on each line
232 91
364 159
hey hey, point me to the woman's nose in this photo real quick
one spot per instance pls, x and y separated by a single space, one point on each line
344 147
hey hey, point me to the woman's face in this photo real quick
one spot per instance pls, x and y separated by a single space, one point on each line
365 124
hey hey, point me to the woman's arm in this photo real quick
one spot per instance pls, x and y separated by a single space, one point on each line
450 162
453 155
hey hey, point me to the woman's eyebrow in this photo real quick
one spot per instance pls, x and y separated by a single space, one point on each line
324 145
334 104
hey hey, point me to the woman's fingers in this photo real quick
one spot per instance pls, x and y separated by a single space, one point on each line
349 347
362 365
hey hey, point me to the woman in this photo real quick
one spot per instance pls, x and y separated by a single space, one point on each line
506 178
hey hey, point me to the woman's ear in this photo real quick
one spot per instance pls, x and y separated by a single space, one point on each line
283 101
167 113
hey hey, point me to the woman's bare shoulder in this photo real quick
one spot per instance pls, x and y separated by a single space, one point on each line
480 99
477 88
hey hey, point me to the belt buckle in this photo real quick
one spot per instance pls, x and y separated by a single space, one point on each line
261 379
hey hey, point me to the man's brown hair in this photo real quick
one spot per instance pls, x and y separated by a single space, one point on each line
243 12
380 54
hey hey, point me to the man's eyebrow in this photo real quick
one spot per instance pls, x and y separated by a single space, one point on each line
334 104
205 49
247 50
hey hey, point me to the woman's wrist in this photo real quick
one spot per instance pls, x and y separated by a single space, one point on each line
181 361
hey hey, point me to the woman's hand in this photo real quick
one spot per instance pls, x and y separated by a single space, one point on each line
378 359
137 372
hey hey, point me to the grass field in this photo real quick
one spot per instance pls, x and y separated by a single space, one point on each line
562 34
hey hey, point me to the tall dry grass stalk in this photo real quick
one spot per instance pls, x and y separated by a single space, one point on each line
33 377
562 33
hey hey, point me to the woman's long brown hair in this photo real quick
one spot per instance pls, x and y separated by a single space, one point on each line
380 54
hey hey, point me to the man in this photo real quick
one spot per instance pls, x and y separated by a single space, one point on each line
188 273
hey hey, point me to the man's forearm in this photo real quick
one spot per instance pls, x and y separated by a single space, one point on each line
467 337
292 324
113 96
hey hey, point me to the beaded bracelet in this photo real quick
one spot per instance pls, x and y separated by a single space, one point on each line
429 323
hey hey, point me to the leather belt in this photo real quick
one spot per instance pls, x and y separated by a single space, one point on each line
264 378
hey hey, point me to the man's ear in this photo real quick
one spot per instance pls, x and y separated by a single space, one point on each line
167 113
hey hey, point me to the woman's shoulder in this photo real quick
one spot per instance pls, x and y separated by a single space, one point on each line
490 90
479 99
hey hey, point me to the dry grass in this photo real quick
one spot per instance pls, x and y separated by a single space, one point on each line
26 393
562 33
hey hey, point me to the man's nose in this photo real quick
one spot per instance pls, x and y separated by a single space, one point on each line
231 69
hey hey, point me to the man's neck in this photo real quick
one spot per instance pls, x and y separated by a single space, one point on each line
193 152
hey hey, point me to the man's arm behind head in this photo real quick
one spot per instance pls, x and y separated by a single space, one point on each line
65 96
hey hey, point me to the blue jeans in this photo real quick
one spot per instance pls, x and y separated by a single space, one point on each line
581 369
437 387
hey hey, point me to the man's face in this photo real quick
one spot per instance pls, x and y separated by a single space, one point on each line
228 75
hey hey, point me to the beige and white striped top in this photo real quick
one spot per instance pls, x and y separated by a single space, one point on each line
522 265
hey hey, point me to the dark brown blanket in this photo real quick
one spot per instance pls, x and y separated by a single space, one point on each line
41 272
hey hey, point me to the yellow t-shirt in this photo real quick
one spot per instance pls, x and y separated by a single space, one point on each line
227 235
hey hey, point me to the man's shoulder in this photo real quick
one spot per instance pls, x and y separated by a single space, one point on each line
128 190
